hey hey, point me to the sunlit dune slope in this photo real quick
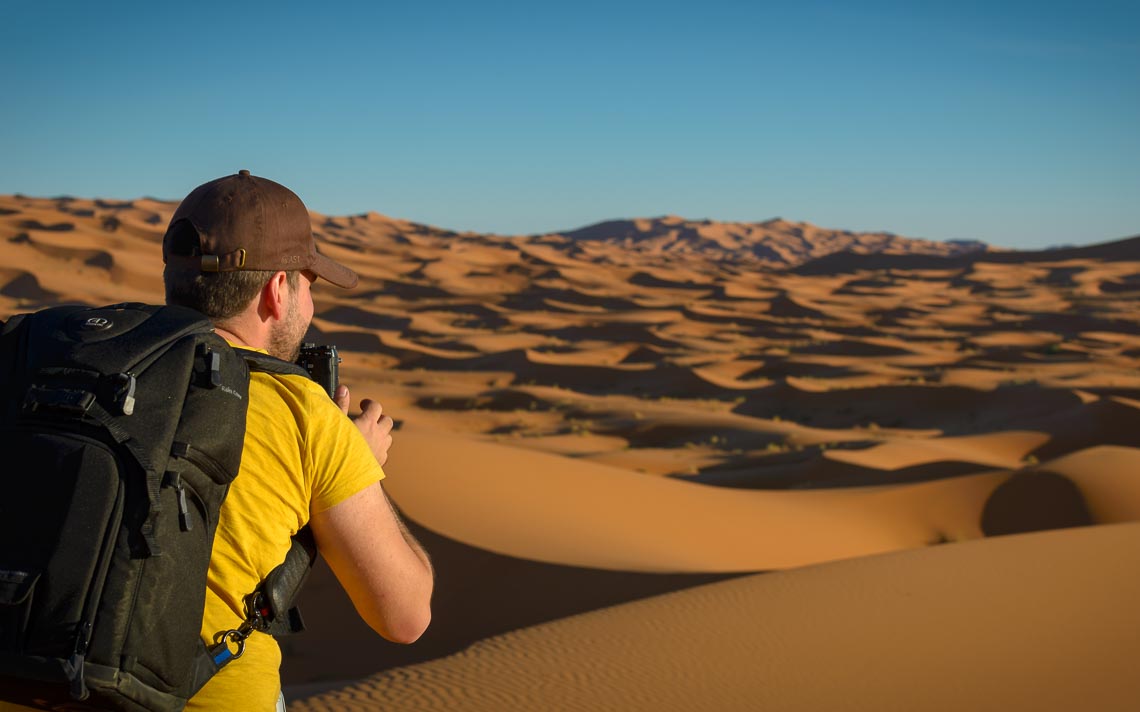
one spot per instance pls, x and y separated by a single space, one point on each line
548 508
1044 622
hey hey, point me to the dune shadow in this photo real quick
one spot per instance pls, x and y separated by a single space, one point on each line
24 285
478 594
405 291
808 469
644 279
114 204
54 227
358 341
1034 501
364 318
1130 283
955 410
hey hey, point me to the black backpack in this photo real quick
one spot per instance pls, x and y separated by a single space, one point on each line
121 430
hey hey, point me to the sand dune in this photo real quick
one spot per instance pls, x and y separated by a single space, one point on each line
1042 622
604 415
774 242
580 513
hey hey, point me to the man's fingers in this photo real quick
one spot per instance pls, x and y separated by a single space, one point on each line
343 398
376 428
371 409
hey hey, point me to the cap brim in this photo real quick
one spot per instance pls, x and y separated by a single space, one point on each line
334 272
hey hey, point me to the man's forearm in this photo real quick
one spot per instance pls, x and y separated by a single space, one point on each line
416 547
413 544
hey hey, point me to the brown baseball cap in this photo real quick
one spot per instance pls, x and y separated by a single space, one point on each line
247 222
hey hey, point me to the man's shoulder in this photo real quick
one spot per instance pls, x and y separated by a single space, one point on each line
286 386
273 394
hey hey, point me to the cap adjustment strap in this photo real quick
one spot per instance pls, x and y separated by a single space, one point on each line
224 263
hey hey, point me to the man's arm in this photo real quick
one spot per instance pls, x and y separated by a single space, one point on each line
381 566
385 571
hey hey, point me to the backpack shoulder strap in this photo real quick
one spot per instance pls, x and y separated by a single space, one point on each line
272 608
258 361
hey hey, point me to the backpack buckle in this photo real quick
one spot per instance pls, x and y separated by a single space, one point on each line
211 365
68 401
222 653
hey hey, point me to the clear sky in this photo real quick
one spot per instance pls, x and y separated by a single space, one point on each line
1017 123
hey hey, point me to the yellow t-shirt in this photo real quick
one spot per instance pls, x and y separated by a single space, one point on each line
301 456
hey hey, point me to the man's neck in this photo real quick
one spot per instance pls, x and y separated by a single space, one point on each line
230 336
249 328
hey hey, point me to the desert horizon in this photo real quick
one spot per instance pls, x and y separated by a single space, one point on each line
664 463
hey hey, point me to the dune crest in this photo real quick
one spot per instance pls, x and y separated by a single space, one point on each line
775 243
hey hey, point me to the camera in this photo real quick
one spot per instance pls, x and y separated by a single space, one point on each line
323 364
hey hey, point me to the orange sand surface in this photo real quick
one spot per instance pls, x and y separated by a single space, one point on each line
1041 621
594 419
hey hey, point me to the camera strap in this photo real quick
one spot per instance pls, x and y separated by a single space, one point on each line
270 608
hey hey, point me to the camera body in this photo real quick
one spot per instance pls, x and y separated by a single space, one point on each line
323 364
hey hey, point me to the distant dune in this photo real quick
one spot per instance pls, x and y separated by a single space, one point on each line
774 243
593 420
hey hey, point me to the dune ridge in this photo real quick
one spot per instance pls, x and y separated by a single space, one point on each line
776 242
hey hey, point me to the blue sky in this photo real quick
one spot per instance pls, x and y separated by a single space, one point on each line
1009 122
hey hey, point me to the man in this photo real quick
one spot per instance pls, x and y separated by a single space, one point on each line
240 249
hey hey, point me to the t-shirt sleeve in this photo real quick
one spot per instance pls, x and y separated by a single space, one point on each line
340 460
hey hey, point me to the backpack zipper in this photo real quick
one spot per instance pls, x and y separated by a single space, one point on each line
76 662
174 480
204 462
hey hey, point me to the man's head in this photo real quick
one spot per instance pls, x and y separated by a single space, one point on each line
231 238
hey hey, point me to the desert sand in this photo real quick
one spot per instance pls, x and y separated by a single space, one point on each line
1040 621
663 463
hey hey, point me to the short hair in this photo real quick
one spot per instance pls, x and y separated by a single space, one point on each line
218 295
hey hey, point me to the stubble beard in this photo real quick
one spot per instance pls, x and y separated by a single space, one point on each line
286 337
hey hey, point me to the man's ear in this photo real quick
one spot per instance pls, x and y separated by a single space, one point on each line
275 296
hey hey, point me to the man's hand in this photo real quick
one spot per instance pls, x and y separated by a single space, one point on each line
372 423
